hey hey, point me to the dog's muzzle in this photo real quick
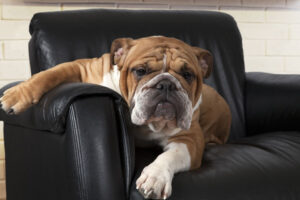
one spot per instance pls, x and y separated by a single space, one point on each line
160 101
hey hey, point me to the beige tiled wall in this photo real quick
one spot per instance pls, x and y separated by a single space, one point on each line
270 31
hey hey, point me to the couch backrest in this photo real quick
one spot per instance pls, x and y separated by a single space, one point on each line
64 36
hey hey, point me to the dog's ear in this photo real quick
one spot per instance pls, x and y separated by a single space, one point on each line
119 49
205 60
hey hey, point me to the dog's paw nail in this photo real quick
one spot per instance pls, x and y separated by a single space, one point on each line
149 193
165 196
11 111
138 186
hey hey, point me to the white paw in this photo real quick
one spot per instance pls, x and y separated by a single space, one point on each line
155 182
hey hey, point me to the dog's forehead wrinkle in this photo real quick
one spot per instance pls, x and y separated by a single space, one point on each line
164 62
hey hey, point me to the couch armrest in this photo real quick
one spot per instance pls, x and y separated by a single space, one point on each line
50 113
92 128
272 102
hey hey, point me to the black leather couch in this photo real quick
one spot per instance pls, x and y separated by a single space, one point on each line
75 144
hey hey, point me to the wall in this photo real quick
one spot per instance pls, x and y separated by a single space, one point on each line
270 31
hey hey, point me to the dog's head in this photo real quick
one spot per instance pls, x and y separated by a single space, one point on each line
161 79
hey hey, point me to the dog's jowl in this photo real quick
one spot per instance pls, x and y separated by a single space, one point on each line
162 81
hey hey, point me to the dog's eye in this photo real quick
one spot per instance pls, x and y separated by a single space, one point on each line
187 76
140 71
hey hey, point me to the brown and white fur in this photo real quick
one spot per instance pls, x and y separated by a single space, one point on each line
162 81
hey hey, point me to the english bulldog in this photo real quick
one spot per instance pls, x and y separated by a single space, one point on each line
161 79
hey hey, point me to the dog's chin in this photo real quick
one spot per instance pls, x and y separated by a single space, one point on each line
163 117
162 125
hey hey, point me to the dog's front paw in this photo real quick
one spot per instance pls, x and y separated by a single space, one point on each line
17 99
155 182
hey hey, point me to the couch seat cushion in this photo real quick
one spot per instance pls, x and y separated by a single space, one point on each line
265 166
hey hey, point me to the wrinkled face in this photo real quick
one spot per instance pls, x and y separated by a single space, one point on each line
161 79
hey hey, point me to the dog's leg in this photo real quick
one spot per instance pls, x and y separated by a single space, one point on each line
183 152
155 181
23 95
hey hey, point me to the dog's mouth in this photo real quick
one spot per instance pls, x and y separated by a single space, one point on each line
163 117
157 108
165 110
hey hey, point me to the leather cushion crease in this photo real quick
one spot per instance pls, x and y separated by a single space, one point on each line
76 142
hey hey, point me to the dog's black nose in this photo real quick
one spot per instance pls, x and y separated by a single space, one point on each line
165 85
